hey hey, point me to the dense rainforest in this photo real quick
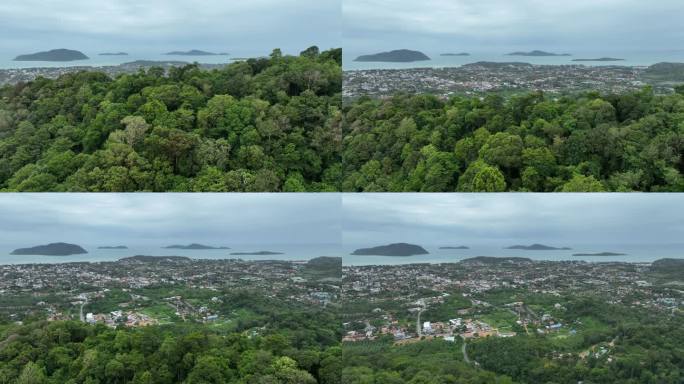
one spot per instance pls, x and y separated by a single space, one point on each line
265 124
531 142
294 347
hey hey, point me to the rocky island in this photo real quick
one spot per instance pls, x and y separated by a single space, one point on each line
599 254
113 54
600 59
53 249
258 253
53 55
194 52
537 247
397 56
193 246
397 249
114 247
458 247
537 53
495 260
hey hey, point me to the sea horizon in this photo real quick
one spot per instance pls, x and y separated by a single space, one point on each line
290 252
631 58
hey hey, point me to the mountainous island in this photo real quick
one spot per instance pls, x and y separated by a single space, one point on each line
600 59
457 247
259 253
455 54
396 56
397 249
53 55
194 52
193 246
113 247
537 53
599 254
537 247
53 249
113 54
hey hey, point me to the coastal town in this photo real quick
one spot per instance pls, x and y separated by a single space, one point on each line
507 78
12 76
143 290
489 297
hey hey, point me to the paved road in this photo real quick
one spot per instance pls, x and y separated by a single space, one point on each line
419 329
465 353
85 301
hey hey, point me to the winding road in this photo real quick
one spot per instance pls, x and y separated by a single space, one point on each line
85 301
465 353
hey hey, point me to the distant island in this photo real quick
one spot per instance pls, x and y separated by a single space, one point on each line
458 247
537 53
397 56
537 247
600 59
114 247
599 254
397 249
193 246
113 54
259 253
455 54
53 55
194 52
53 249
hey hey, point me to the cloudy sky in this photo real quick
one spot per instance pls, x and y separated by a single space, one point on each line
506 219
154 219
254 26
493 25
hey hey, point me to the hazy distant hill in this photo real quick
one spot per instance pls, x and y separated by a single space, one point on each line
113 247
53 55
600 59
193 246
537 247
258 253
194 52
113 54
495 260
456 54
599 254
53 249
537 53
397 249
397 56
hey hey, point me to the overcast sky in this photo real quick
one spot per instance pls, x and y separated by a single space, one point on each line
510 218
161 219
493 25
160 25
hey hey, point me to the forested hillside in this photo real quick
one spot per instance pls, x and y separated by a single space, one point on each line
267 124
295 347
628 142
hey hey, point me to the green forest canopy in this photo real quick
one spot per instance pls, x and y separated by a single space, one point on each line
278 124
584 143
267 124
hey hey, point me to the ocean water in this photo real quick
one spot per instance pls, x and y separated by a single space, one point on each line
7 59
632 58
290 252
633 254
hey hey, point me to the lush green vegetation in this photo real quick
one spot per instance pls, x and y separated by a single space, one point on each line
424 362
270 124
289 345
638 347
590 142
